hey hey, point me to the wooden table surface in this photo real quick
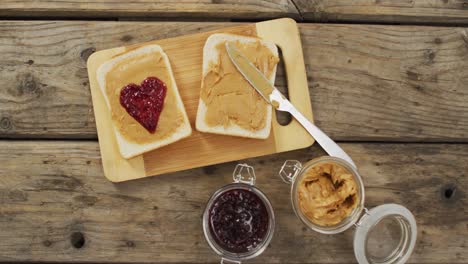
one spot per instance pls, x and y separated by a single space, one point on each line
388 80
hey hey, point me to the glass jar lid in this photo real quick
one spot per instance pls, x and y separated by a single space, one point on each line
385 234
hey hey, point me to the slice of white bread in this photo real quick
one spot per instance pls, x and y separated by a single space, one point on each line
129 149
211 55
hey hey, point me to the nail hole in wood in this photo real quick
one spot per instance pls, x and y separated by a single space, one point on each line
130 243
77 240
47 243
5 123
449 192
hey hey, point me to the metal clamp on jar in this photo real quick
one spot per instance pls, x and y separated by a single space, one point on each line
384 234
238 221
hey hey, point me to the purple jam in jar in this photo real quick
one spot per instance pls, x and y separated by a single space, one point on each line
238 220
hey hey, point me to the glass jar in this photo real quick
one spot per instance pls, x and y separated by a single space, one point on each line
384 234
244 179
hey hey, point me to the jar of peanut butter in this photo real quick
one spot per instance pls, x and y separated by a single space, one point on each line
238 221
328 195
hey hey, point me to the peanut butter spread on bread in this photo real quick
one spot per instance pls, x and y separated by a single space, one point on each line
228 97
327 194
135 69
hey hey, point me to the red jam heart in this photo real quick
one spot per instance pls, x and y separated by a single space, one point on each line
144 102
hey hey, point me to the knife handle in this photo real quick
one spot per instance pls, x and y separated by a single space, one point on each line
326 142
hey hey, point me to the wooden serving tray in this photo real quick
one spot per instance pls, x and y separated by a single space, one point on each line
202 149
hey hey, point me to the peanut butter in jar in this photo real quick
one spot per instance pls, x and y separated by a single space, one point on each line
327 194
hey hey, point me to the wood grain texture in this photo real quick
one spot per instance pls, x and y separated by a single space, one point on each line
396 83
388 82
224 9
389 11
62 194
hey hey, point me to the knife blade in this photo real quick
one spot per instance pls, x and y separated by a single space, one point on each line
274 97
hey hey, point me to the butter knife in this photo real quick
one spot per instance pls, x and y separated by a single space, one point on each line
278 101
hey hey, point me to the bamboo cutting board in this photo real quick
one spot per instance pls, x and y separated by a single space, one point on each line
201 149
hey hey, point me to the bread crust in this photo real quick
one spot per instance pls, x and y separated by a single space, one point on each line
209 56
131 149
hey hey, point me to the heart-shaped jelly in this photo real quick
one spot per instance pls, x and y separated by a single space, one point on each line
144 102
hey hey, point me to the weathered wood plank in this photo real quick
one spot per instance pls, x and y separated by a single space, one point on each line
389 11
62 192
225 9
389 83
396 83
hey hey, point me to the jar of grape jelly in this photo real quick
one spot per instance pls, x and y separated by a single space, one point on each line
327 195
238 220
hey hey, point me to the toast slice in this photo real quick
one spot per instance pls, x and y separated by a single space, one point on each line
133 67
245 113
